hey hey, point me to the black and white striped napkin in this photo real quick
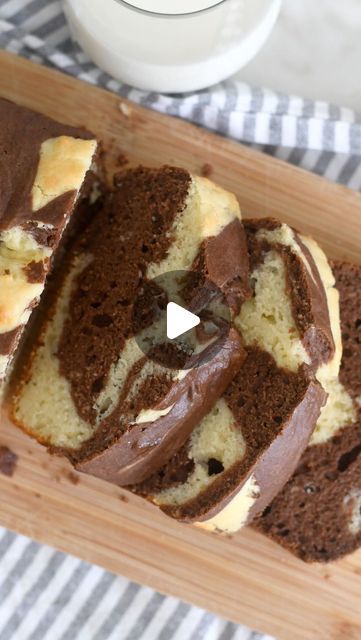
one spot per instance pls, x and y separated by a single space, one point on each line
45 594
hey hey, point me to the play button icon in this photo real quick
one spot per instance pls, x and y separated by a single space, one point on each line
179 320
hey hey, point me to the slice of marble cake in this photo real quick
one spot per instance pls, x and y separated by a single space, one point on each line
317 515
43 167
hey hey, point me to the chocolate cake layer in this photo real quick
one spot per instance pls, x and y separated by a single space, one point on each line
244 450
86 390
317 516
43 165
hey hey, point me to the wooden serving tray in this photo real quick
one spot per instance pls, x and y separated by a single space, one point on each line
245 578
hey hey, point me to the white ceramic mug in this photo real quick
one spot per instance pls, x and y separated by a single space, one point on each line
171 46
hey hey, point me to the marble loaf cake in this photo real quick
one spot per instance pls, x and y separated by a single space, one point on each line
317 515
241 454
43 166
84 387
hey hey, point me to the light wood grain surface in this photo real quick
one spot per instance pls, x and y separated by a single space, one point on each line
245 578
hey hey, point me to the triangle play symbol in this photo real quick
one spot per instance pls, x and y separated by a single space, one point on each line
179 320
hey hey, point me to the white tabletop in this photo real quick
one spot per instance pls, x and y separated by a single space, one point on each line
314 51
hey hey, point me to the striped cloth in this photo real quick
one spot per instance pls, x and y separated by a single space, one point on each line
45 594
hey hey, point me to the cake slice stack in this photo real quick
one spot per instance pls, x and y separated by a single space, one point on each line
244 450
43 167
208 429
212 444
86 389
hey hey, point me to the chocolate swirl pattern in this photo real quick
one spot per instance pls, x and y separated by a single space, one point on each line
92 395
317 513
243 451
43 167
